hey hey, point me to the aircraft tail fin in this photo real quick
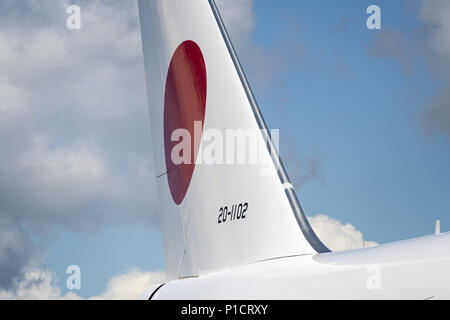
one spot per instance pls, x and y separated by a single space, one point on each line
225 198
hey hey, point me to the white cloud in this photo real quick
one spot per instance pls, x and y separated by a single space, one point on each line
435 14
37 284
74 125
239 19
262 64
15 251
131 285
40 283
337 236
13 99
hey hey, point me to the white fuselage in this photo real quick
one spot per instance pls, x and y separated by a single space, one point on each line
410 269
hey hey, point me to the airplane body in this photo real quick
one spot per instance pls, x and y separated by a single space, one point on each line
410 269
233 229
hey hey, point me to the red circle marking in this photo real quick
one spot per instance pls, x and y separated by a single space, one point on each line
184 103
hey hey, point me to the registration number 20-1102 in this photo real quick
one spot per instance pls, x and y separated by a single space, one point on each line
232 213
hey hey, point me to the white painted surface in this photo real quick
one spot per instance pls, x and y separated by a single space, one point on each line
412 269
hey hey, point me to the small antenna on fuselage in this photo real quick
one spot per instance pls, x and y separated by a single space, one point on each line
437 228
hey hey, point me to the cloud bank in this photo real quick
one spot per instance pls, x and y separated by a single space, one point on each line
430 43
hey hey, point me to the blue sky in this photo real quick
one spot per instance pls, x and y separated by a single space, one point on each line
351 101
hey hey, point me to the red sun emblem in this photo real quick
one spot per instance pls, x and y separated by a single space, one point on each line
184 104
